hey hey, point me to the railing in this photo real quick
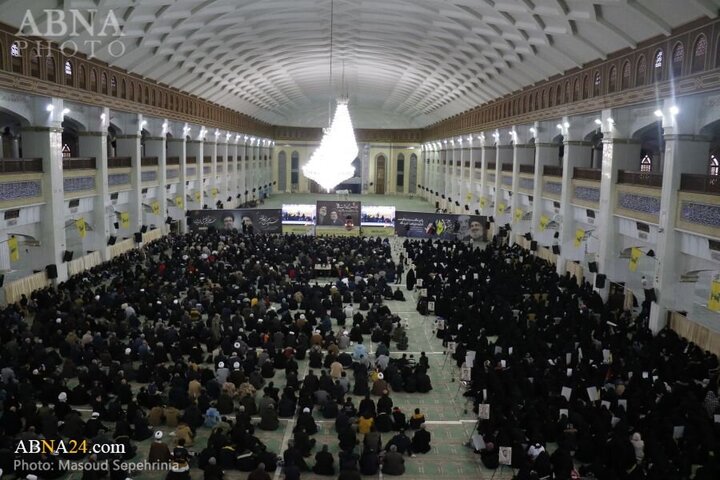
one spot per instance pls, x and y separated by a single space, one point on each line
491 166
646 179
527 169
78 163
207 159
593 174
190 160
172 161
552 171
690 182
467 164
149 161
478 165
21 165
506 167
119 162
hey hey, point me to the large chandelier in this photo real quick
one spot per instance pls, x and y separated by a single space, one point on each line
331 163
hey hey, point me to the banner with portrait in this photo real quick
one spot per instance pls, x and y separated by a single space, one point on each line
337 217
267 220
441 226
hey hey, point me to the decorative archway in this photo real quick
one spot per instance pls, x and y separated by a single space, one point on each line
380 174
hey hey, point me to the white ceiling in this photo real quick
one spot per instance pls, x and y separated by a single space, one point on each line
408 63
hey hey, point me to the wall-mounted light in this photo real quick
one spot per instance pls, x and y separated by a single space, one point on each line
533 130
674 110
566 125
598 121
610 121
658 113
50 107
65 111
102 117
143 123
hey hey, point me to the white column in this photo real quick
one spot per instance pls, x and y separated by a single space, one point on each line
546 154
194 148
128 145
523 154
176 148
156 147
93 143
44 140
503 154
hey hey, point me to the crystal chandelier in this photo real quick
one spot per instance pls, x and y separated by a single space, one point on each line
331 163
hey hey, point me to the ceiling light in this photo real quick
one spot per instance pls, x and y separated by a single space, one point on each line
566 125
610 121
598 121
674 110
66 111
102 117
533 130
658 113
559 126
332 161
50 107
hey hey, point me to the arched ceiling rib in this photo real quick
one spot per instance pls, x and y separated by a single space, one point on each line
408 63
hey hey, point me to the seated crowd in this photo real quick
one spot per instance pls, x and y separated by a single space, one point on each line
189 333
560 370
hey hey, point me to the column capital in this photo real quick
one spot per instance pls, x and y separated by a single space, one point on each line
577 143
504 147
547 145
195 142
92 134
620 141
175 140
42 129
132 135
685 137
524 145
156 139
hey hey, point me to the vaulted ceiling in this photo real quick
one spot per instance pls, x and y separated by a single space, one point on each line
407 63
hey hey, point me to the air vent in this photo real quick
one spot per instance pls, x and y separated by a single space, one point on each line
590 213
642 227
713 244
75 203
556 204
13 214
144 191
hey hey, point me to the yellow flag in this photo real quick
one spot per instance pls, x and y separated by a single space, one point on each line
155 207
579 235
468 197
483 202
179 201
544 221
214 192
81 227
125 219
635 254
714 300
501 208
197 196
14 249
518 214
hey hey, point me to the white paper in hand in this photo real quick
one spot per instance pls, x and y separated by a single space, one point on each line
505 456
593 393
484 411
566 392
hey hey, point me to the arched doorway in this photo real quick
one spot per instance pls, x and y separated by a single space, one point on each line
380 174
282 174
412 182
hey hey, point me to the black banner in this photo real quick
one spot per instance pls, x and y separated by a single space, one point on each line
443 226
261 220
338 213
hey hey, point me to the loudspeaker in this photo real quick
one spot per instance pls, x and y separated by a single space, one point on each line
51 271
67 256
143 229
600 280
116 225
528 236
442 196
557 235
437 204
229 199
112 240
467 208
593 267
556 249
457 204
2 279
650 253
477 212
138 237
533 246
650 295
491 219
168 220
